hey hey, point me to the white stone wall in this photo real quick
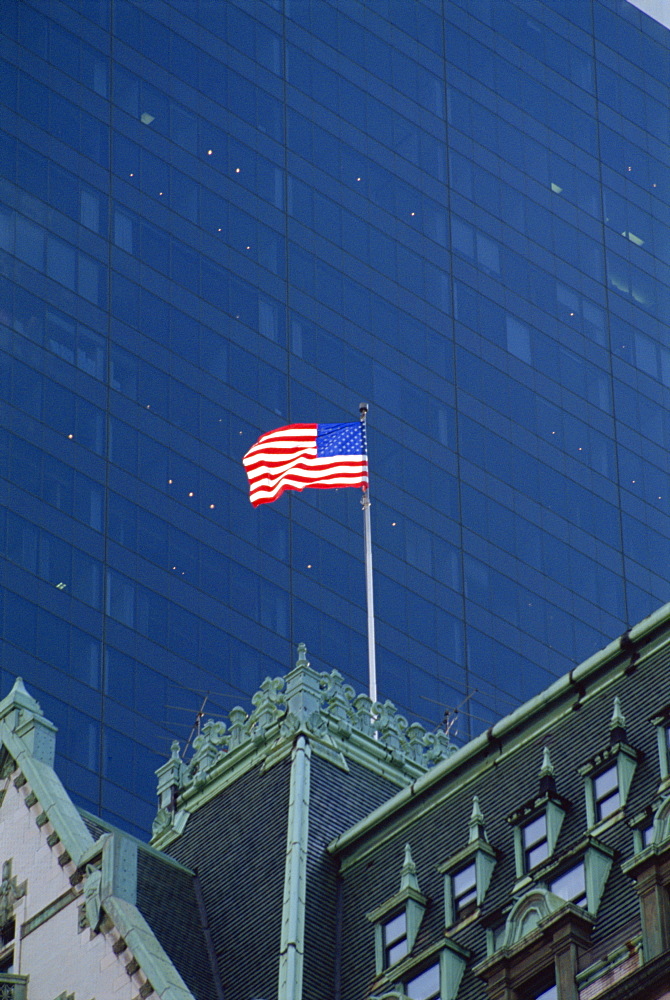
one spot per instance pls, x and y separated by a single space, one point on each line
56 955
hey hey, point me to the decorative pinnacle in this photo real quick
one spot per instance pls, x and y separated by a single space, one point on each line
408 879
547 779
18 698
547 769
302 660
618 719
477 831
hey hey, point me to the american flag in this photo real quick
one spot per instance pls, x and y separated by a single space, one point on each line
300 455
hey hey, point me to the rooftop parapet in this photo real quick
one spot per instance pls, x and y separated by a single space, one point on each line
340 723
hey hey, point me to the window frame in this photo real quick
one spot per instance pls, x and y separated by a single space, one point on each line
530 847
388 946
484 857
465 902
558 877
554 808
425 996
612 792
620 758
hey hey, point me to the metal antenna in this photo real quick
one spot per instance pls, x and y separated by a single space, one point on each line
196 725
450 719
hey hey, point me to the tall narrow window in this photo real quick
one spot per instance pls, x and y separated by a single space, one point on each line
537 822
395 939
535 841
606 793
464 891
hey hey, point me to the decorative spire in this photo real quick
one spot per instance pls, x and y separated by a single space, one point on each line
477 830
303 689
23 716
302 660
617 723
408 879
547 779
17 699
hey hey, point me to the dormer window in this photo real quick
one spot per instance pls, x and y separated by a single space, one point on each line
535 841
540 947
397 920
571 885
538 822
394 934
581 875
468 872
609 774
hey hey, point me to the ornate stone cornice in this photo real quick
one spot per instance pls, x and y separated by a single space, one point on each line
340 723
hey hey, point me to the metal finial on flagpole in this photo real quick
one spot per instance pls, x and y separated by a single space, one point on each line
365 504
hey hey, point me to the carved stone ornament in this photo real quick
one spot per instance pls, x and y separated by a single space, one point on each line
10 893
93 896
320 704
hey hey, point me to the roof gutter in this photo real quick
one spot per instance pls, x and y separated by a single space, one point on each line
575 680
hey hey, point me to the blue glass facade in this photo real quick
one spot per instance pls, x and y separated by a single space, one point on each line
220 217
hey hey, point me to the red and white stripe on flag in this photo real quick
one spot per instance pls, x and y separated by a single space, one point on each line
327 456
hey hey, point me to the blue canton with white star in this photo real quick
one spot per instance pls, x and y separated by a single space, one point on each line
339 439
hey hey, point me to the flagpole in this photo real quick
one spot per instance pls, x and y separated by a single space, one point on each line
365 504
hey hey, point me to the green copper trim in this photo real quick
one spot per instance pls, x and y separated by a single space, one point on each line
320 706
292 948
47 912
629 952
536 715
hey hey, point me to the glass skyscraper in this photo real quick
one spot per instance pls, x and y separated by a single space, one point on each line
222 216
